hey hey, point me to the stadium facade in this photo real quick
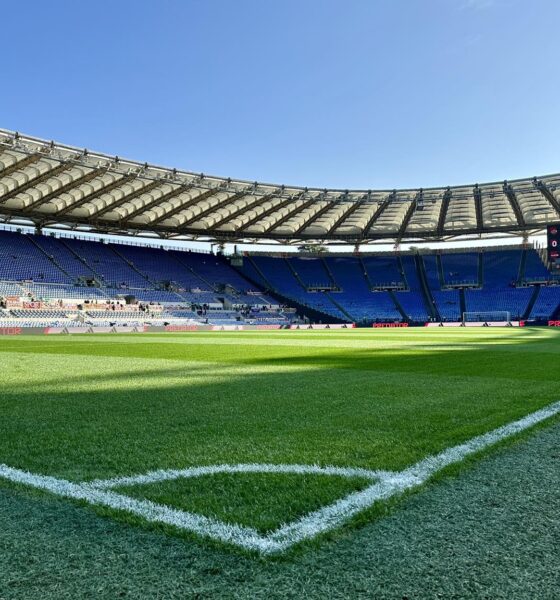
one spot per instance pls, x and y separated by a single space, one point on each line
60 281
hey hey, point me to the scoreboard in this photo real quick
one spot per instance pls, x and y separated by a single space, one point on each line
553 238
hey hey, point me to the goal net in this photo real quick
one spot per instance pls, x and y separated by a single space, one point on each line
493 316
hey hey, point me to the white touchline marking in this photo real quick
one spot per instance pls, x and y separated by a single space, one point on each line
384 485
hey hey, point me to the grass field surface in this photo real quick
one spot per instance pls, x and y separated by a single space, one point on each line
97 407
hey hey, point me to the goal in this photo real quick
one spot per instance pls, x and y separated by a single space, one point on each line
492 316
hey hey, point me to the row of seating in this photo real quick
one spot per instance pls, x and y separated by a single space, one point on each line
384 287
419 287
91 269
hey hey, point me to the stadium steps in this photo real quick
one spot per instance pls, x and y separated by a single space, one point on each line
480 269
313 314
398 305
402 272
462 301
365 272
532 301
426 292
440 271
51 258
82 260
258 270
522 265
132 266
264 282
341 308
295 274
197 275
330 273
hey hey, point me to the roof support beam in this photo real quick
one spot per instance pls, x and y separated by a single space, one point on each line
95 194
127 198
243 209
443 212
508 191
477 194
291 213
21 164
214 208
316 216
93 173
414 205
353 206
267 212
35 181
186 205
164 198
545 191
390 198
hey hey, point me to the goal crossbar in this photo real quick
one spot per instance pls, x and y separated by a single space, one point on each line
492 316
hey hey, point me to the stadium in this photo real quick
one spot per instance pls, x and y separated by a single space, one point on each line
220 387
60 282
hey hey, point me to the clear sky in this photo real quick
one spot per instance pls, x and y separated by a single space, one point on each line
326 93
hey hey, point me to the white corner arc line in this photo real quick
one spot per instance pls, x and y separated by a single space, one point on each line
170 474
384 486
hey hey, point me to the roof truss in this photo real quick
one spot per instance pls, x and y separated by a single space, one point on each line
34 181
21 164
63 189
126 198
508 191
103 212
185 205
92 196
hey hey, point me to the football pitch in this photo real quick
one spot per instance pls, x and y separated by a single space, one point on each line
263 443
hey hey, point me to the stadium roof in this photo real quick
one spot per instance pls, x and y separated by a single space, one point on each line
51 185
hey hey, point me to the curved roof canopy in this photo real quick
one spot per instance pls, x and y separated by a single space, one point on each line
52 185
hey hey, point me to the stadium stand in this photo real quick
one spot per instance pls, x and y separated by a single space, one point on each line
22 260
414 287
547 303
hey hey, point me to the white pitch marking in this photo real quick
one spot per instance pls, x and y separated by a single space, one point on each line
166 475
385 485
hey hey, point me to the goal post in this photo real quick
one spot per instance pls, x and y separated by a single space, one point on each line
492 316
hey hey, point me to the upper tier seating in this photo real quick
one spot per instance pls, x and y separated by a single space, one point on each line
547 303
63 257
162 266
21 260
383 271
460 268
356 297
279 274
412 301
102 259
534 267
347 288
501 268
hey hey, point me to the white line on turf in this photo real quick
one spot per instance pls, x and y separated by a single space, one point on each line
384 486
165 475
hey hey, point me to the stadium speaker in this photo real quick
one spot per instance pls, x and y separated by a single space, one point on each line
129 299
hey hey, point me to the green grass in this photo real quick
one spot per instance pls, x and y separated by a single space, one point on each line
88 407
249 499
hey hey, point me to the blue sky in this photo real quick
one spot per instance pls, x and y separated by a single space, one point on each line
348 93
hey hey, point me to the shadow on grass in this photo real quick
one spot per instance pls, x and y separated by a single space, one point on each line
365 407
375 408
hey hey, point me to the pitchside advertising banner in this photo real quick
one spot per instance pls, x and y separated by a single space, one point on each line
553 237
